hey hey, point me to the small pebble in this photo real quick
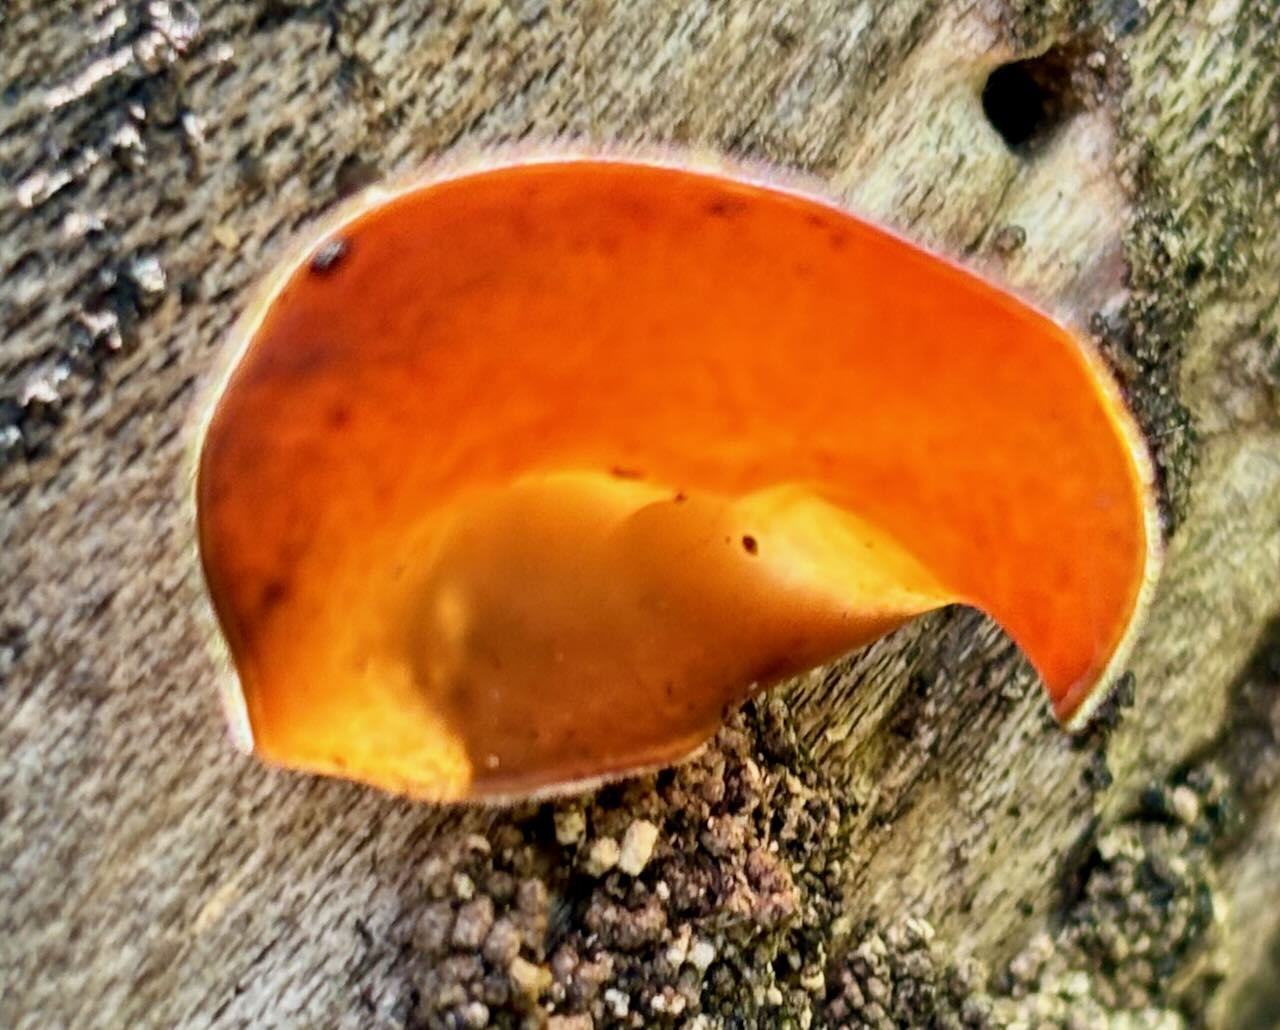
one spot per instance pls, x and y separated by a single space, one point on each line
531 897
814 981
618 1004
582 1021
148 276
529 979
637 847
570 826
502 944
702 954
678 949
601 856
435 927
475 1015
473 923
1186 805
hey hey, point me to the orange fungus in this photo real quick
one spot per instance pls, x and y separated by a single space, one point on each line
523 475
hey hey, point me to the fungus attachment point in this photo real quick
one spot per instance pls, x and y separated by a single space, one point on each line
555 460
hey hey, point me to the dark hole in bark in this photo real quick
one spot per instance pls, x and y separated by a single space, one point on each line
1027 101
354 174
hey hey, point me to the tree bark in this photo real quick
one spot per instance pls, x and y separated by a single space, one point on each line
903 839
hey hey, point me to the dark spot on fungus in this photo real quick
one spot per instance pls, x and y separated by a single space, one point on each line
329 256
339 416
817 219
273 594
749 544
773 669
622 472
726 207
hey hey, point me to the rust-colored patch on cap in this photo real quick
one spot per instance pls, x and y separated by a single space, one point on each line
523 475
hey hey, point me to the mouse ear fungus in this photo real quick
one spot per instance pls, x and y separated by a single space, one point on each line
522 475
1076 698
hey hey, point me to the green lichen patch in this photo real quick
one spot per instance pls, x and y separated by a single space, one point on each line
1205 181
1141 922
1247 749
1135 944
899 977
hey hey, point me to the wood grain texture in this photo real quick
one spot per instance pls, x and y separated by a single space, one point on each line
155 158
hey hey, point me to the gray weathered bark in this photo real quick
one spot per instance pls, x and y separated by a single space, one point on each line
903 839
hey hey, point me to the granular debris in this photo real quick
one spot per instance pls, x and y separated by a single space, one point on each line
701 896
709 896
1136 940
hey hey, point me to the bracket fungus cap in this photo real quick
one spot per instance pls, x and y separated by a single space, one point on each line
521 474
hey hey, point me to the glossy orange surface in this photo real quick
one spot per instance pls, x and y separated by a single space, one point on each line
526 474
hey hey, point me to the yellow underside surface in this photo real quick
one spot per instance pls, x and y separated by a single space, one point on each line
571 626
